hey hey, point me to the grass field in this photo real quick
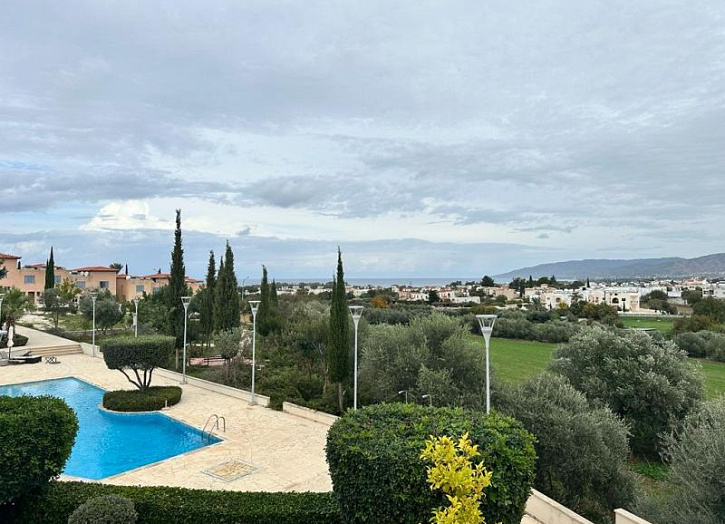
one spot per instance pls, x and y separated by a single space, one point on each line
661 324
516 360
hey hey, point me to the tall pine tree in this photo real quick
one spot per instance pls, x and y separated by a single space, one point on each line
339 340
226 295
50 271
207 311
177 287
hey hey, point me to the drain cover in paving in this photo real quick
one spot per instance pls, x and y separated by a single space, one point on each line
231 470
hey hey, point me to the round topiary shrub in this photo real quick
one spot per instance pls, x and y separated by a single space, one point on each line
692 343
36 438
153 399
379 476
107 509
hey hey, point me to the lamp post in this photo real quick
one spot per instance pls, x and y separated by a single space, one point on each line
254 304
430 399
486 323
356 312
243 281
135 317
404 391
185 301
2 296
94 296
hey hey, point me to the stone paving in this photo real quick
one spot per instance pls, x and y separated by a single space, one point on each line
287 451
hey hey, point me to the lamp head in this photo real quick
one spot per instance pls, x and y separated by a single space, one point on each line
356 312
486 323
94 295
135 301
254 304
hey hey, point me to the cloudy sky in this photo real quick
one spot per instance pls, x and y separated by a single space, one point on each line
449 138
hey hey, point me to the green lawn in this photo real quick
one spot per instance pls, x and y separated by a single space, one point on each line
516 360
662 324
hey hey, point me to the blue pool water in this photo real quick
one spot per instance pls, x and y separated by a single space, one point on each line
111 443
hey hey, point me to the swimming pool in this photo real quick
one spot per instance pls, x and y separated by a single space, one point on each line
111 443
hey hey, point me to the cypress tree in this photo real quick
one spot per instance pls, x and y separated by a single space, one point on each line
177 286
219 299
339 340
226 294
274 302
265 309
207 312
50 271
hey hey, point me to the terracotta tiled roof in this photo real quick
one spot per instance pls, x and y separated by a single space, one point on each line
9 257
95 268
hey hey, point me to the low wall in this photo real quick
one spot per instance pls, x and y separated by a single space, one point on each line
309 414
625 517
549 511
241 394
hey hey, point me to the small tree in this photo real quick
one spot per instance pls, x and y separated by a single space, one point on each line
228 343
109 509
67 292
646 380
108 314
140 355
53 303
16 303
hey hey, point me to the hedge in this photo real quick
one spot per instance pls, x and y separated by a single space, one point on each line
18 341
139 355
106 509
36 438
153 399
378 475
165 505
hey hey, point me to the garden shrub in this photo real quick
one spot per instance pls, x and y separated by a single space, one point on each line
647 380
582 450
166 505
694 491
106 509
153 399
141 355
378 475
714 345
18 341
555 331
36 438
692 343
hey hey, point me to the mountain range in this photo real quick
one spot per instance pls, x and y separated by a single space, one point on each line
642 268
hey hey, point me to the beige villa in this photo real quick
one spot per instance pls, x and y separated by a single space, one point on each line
31 279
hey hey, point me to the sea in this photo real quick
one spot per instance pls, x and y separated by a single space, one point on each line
383 282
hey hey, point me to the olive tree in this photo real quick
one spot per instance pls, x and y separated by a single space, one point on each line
140 355
645 379
582 450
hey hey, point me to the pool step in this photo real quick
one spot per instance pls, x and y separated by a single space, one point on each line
53 351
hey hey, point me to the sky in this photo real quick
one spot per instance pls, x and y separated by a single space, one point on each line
450 138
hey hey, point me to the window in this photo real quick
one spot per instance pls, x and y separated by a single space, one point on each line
156 289
57 279
139 288
103 284
81 284
29 279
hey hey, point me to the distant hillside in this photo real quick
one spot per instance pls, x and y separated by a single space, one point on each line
707 266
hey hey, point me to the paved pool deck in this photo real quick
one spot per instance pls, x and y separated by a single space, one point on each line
287 450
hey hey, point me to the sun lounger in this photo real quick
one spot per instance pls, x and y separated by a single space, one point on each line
26 359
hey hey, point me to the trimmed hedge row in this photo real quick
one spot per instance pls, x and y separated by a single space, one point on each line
375 464
164 505
18 341
153 399
36 438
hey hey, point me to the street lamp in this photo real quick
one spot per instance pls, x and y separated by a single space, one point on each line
486 323
430 399
254 304
185 301
243 281
404 391
94 296
135 317
2 296
356 312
